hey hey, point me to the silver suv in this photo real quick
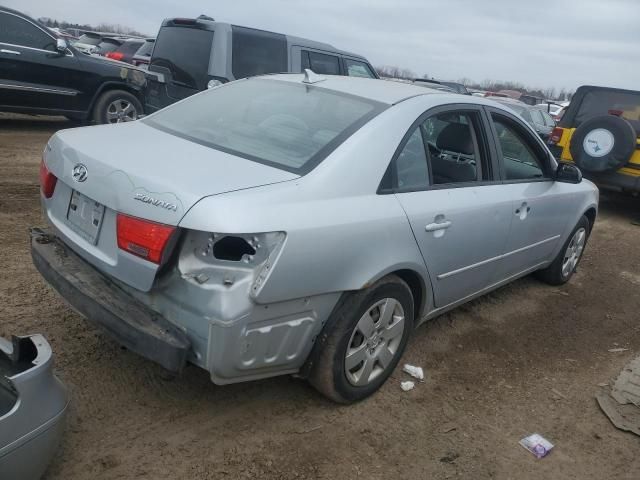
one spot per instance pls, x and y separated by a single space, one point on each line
191 55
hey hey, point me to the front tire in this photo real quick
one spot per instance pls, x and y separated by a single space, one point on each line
370 332
116 106
564 265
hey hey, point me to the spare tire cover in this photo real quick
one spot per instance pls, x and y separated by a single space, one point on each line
603 143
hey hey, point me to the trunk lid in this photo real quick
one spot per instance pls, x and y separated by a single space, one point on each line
143 172
139 171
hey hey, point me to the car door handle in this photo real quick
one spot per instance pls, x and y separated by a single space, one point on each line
10 52
434 227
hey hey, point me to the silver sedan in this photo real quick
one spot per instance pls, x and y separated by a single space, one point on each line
298 224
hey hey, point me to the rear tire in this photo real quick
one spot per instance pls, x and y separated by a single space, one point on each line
116 106
564 265
353 365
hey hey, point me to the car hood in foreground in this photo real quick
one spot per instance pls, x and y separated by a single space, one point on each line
141 171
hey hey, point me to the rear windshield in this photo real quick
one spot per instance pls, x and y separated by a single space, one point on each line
107 46
603 102
291 126
146 49
89 39
184 52
129 47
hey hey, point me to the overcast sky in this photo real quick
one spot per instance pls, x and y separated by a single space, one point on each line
541 43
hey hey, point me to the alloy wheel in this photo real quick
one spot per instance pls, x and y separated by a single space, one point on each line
574 252
374 342
121 110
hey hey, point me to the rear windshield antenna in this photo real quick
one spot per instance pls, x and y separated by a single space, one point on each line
311 77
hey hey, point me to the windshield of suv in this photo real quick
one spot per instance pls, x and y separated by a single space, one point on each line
607 102
291 126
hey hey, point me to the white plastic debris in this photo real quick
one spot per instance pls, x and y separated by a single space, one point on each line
406 386
618 350
537 444
415 372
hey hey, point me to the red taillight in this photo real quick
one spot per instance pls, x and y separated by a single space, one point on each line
556 135
115 55
143 238
47 180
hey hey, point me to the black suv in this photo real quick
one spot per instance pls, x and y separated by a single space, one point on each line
42 74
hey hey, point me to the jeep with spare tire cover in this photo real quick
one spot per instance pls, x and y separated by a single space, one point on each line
41 73
599 133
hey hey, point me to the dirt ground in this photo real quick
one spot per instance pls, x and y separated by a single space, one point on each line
526 358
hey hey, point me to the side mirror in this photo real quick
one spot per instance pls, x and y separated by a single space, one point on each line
61 45
568 173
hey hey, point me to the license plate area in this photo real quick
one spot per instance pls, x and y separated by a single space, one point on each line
85 216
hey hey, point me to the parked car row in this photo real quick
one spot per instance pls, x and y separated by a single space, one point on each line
48 75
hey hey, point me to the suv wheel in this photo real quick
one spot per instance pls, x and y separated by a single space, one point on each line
116 106
370 331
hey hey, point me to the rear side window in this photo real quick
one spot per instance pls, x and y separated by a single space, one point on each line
358 69
291 126
17 31
185 52
442 150
256 52
321 63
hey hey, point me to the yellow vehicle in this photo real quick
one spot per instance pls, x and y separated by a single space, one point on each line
599 133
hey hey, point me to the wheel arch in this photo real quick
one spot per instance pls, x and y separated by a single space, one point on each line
418 286
591 213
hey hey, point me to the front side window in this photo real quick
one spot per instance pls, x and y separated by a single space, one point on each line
17 31
322 63
288 125
358 69
518 159
184 52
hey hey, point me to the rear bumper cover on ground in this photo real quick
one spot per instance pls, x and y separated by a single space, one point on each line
101 301
33 407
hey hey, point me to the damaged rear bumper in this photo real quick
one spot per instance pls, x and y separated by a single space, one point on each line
102 302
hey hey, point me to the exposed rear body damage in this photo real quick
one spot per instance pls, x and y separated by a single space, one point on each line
244 223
